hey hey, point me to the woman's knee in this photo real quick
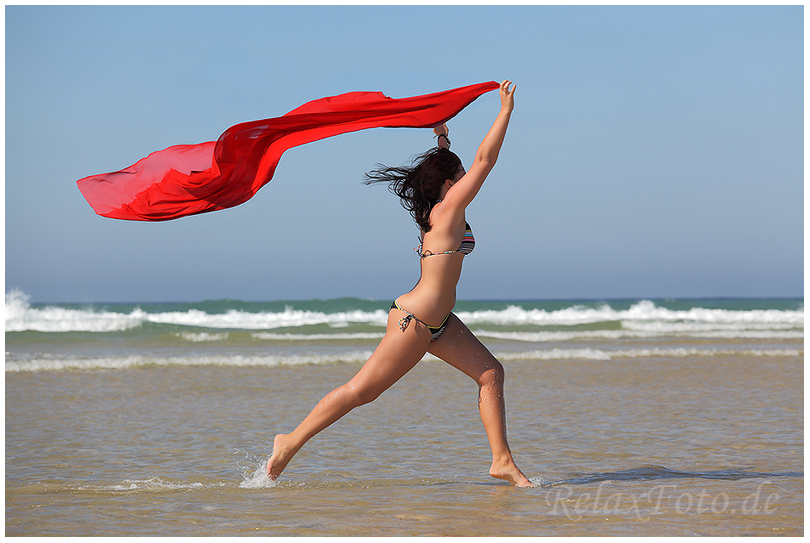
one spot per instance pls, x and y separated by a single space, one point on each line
360 395
494 375
366 396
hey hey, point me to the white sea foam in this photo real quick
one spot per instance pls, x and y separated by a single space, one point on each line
643 311
642 319
265 320
202 336
122 362
600 354
314 337
662 331
153 484
20 317
359 357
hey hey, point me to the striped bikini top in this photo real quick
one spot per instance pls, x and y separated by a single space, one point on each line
466 247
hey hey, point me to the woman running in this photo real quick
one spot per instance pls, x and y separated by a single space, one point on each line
436 190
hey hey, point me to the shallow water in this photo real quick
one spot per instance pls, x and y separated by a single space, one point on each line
654 445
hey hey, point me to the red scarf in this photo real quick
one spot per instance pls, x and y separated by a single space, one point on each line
188 179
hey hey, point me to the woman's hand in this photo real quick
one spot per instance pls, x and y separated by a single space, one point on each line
507 95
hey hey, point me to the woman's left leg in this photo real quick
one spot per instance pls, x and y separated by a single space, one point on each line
461 349
398 352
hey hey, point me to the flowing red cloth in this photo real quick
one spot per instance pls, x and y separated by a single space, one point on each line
185 180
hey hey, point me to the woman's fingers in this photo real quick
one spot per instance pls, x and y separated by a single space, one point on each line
441 129
507 94
505 90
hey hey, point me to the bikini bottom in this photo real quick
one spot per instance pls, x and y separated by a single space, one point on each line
435 331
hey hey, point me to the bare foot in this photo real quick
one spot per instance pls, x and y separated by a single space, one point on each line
281 456
508 471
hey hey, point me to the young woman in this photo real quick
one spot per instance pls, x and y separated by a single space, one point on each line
436 190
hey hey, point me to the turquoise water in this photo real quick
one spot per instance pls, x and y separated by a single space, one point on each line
231 332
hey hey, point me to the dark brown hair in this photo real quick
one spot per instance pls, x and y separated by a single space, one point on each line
419 185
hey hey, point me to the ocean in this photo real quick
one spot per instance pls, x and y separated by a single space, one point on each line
632 417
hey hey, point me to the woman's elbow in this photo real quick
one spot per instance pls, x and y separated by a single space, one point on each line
485 162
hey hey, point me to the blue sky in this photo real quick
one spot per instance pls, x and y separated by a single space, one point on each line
653 152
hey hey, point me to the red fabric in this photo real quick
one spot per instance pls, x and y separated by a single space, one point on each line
185 180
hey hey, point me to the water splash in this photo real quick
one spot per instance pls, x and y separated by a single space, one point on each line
254 471
259 478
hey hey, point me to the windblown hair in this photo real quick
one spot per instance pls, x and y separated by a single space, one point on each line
419 185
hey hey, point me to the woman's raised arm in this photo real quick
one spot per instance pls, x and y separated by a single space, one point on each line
462 193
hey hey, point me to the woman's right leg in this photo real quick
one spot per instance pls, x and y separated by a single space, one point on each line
461 349
396 355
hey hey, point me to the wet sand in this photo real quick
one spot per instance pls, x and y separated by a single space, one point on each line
688 445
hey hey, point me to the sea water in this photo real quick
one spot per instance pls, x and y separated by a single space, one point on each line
633 417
